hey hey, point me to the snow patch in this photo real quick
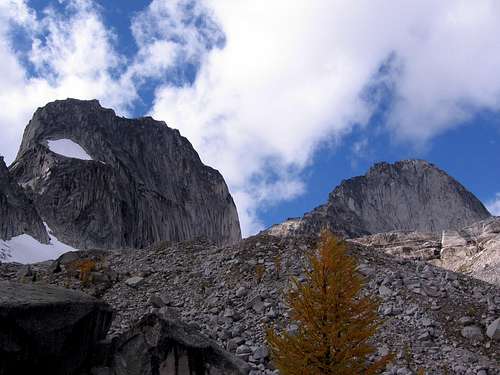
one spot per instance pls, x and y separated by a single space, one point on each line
68 148
25 249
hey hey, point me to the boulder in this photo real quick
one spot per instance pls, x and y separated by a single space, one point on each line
472 332
48 330
135 281
163 345
493 330
452 238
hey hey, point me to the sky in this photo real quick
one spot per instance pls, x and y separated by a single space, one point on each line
284 98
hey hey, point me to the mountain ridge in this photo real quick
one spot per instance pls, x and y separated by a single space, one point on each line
407 195
145 183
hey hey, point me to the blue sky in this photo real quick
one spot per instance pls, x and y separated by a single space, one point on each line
285 99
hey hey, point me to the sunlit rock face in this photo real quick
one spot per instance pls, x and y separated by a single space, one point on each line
103 181
473 250
408 195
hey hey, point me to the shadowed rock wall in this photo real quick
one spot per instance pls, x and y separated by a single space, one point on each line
145 183
17 213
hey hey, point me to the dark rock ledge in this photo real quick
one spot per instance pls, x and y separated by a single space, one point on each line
57 331
158 344
48 330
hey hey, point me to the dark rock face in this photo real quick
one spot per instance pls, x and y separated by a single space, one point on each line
158 345
407 195
145 183
17 213
48 330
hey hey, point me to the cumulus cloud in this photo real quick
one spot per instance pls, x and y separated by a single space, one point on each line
169 35
295 74
494 205
257 86
70 54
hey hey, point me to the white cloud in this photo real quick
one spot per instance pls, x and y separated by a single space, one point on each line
72 55
494 205
171 33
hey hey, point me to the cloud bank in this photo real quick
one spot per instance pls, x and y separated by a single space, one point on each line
257 86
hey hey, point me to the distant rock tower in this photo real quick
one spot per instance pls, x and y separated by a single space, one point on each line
406 195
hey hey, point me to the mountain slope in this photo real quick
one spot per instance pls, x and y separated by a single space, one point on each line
142 182
407 195
473 250
433 319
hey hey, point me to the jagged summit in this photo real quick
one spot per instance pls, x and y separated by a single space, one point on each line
139 182
406 195
385 167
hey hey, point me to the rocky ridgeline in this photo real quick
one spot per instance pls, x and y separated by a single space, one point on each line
17 213
407 195
438 320
473 250
144 182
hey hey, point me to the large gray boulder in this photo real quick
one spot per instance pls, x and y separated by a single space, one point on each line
160 345
48 330
17 213
411 195
144 182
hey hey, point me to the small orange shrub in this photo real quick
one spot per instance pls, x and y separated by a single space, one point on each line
259 272
84 268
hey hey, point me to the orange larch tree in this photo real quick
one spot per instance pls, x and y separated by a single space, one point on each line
335 322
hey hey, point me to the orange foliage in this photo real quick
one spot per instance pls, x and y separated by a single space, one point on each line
259 272
334 321
84 267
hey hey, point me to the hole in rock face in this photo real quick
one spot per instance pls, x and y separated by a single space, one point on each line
68 148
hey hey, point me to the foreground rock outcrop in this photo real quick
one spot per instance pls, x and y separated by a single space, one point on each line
48 330
17 213
144 182
409 195
159 344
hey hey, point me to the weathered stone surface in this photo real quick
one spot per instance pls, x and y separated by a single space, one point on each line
145 183
493 330
134 281
48 330
474 250
472 332
161 345
17 213
409 195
